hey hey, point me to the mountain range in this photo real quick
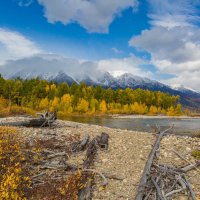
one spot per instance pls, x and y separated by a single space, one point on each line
189 98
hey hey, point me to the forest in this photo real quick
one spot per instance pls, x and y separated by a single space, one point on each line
27 96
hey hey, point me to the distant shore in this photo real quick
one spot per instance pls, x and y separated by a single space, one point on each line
119 116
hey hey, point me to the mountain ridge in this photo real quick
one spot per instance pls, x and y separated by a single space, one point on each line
189 98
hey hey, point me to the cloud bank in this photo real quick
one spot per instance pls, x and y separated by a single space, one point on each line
50 64
93 15
14 45
173 41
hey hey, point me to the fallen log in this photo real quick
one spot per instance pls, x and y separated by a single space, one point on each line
103 140
80 145
146 172
86 192
44 121
90 154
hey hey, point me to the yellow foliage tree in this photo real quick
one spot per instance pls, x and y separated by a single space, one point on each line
47 88
102 106
82 106
126 109
55 104
153 110
66 101
44 104
93 105
171 111
137 108
53 86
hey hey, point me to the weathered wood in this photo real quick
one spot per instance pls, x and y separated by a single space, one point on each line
183 158
113 176
159 193
146 172
90 154
190 188
191 166
86 192
67 167
103 140
182 183
56 155
105 182
80 145
46 119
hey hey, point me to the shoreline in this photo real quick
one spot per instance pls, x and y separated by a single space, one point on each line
119 116
126 155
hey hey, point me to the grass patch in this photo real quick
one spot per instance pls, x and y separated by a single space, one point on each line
196 154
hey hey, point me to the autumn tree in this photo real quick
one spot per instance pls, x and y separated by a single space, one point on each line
44 104
82 106
102 106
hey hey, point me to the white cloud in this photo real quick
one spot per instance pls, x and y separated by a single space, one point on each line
93 15
187 79
25 3
176 45
116 50
170 13
50 64
173 41
13 45
119 66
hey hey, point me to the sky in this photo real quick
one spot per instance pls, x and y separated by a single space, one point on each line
158 39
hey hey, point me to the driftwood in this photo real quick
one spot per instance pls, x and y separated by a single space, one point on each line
67 167
86 192
46 119
99 141
105 182
56 155
90 154
190 188
143 181
163 181
103 140
191 166
183 158
80 145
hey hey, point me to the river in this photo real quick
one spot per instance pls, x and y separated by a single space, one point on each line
185 126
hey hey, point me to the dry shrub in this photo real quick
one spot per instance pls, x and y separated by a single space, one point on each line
60 190
53 143
13 175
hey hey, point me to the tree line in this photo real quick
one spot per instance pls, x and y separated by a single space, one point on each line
37 94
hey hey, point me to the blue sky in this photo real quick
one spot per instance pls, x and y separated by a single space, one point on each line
153 38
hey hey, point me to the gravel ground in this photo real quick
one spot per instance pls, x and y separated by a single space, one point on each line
125 157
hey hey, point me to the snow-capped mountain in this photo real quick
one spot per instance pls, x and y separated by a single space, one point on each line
189 97
187 90
107 80
61 77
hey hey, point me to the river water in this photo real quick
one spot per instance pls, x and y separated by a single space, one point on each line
183 126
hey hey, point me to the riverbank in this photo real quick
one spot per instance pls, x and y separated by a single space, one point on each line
119 116
126 155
